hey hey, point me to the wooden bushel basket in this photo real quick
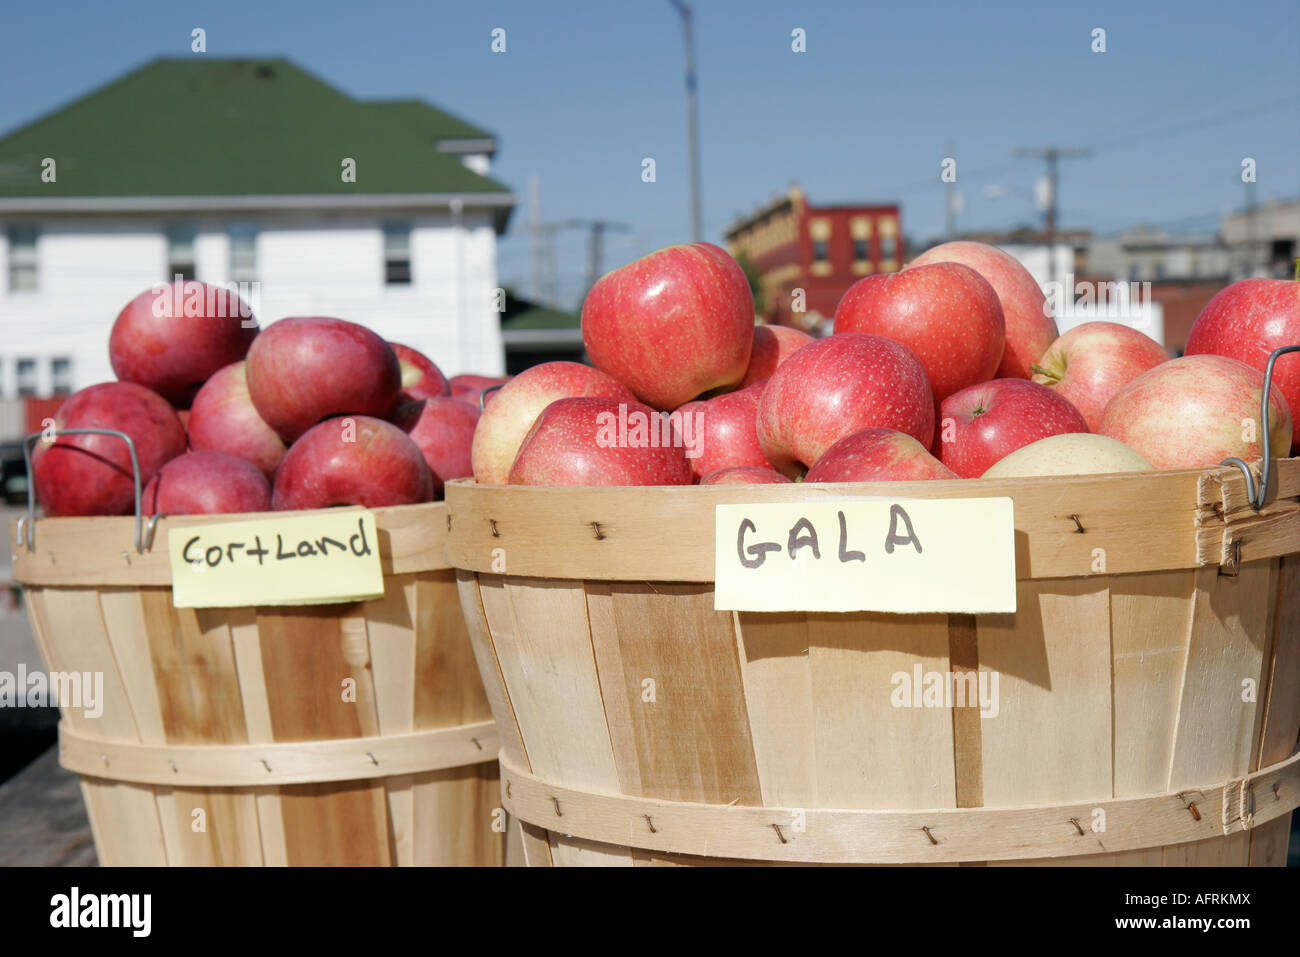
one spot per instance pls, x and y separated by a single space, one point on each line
1149 712
224 736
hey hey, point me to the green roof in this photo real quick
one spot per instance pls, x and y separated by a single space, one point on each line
525 314
252 127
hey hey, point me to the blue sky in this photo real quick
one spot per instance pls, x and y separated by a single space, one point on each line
586 90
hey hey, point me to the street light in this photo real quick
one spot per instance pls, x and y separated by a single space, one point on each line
692 119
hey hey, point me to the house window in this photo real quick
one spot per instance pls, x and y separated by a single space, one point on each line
888 247
22 258
180 252
397 254
26 377
821 250
243 252
861 253
61 375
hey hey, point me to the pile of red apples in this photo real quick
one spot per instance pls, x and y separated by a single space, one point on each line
949 369
309 413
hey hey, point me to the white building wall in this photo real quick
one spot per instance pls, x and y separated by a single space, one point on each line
307 264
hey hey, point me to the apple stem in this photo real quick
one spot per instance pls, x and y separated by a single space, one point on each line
1047 372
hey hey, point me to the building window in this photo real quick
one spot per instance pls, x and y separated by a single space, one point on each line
888 247
821 250
180 252
243 252
397 254
26 377
61 376
861 252
22 258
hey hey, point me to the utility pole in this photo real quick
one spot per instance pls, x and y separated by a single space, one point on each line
1252 220
950 199
535 232
692 117
1053 154
596 252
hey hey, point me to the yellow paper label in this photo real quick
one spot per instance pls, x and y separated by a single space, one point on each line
323 558
867 554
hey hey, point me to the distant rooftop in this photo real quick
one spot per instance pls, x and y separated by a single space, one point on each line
207 127
781 203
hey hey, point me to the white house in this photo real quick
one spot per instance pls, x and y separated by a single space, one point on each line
246 171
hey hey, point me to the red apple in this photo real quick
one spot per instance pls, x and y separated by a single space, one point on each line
1091 362
516 405
1196 411
945 313
1248 321
306 369
352 460
878 455
91 474
443 428
672 325
837 386
772 345
601 441
722 432
983 423
172 337
207 483
421 378
1030 326
223 419
744 475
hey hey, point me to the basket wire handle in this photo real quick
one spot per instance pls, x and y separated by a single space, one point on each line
1259 493
27 524
483 394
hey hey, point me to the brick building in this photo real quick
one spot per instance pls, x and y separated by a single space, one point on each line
821 250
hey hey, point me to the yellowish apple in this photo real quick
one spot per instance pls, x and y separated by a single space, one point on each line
1075 453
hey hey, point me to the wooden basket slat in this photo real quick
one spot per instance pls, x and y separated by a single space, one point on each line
457 804
70 628
99 551
391 629
246 643
1051 741
125 822
306 662
1282 704
535 846
1131 516
192 657
907 760
1215 740
774 654
1150 618
453 819
651 628
662 635
1269 842
1150 623
550 679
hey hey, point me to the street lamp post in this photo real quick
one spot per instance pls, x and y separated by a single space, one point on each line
692 118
